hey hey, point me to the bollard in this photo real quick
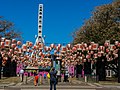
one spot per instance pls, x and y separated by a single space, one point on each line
20 76
79 76
41 80
70 80
25 78
97 78
48 80
85 78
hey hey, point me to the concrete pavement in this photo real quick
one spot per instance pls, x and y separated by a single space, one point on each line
74 85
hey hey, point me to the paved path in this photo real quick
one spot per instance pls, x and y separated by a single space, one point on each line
74 85
46 83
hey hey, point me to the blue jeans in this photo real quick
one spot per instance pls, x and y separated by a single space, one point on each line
51 84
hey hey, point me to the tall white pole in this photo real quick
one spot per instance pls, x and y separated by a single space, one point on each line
39 38
40 23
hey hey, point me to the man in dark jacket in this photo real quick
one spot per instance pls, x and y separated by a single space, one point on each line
53 78
8 67
13 68
79 68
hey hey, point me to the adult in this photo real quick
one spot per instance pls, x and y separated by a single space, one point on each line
13 67
7 66
53 78
79 68
21 74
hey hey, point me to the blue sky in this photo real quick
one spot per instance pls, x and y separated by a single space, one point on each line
61 17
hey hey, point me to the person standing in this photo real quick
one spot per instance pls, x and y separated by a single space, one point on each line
8 66
36 77
13 67
53 78
21 75
79 68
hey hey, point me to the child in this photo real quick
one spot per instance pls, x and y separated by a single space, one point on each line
36 79
44 75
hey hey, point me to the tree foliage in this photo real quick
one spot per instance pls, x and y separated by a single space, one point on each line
103 25
7 30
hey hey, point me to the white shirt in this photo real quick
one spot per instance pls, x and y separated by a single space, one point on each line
21 71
